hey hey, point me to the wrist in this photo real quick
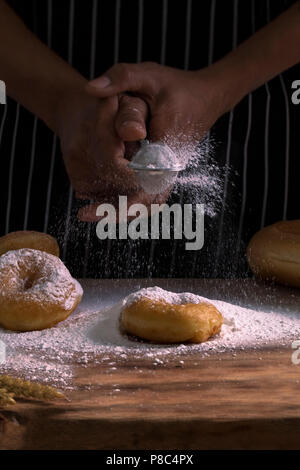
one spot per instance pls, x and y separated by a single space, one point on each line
216 87
231 78
229 84
65 103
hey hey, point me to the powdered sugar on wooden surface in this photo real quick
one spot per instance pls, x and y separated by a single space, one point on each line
92 334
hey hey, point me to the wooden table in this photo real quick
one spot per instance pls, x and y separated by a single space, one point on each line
247 401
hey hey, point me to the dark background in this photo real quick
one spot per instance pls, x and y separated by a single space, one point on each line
129 31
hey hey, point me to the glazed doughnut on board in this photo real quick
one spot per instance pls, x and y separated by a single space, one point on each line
36 290
165 317
29 239
274 253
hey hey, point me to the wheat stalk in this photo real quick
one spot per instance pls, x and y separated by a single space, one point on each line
6 398
12 387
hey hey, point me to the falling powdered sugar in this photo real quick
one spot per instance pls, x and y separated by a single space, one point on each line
202 177
92 335
202 180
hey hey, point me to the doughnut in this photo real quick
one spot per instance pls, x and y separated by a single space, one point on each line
36 290
274 253
29 239
160 316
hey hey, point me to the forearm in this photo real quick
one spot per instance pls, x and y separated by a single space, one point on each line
273 49
34 75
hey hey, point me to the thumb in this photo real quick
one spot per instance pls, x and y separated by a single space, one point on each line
130 121
121 78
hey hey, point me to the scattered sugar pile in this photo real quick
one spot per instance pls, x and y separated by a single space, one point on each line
92 334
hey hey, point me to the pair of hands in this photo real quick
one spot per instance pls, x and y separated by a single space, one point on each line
99 126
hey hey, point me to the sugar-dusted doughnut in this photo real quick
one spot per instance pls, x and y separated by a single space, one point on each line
36 290
29 239
274 253
165 317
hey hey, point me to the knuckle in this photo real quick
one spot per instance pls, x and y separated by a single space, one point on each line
122 70
150 64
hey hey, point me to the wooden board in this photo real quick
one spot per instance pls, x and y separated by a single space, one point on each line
247 401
